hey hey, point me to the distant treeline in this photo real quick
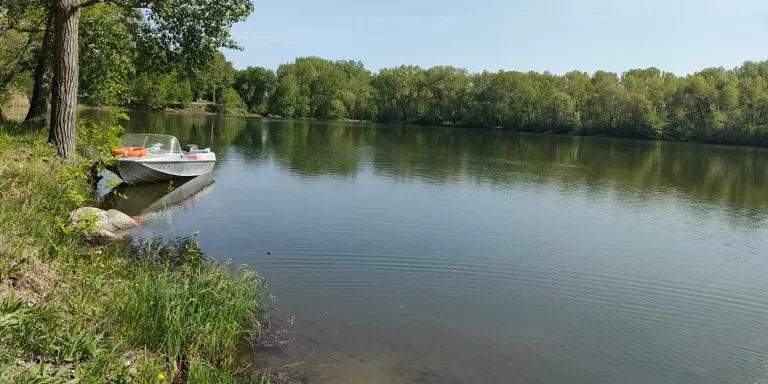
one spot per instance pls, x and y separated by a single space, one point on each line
714 105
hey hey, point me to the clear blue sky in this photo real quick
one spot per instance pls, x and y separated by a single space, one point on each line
681 36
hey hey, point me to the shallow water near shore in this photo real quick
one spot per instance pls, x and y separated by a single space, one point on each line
444 255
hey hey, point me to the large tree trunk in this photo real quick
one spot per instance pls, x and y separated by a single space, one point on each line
41 94
65 72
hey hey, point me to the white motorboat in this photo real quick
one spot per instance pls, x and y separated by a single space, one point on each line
149 158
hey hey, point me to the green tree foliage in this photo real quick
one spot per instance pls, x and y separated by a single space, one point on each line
147 93
447 91
160 91
400 94
22 23
189 34
15 55
319 88
231 101
210 81
357 94
23 15
255 86
714 105
106 55
285 101
179 92
176 32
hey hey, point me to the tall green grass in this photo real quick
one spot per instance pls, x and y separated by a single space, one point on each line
117 314
203 311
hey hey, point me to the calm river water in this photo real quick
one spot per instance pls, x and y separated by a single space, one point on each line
441 255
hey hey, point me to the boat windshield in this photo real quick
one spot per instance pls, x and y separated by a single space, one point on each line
154 143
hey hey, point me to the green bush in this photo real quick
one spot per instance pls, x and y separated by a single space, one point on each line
160 91
95 140
148 93
179 93
231 102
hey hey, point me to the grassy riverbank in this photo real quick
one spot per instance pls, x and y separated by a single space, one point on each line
114 314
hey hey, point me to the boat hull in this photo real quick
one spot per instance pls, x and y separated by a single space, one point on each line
142 172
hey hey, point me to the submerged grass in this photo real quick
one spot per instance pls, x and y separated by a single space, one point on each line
72 313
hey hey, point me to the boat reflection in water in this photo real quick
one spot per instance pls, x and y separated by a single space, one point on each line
159 198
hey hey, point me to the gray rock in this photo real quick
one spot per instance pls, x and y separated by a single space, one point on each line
86 214
108 226
102 236
120 221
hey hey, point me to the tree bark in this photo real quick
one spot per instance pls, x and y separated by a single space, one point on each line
65 73
41 93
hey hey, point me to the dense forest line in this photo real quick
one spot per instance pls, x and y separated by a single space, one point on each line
119 68
713 105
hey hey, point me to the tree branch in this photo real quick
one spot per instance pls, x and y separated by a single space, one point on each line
29 30
7 26
122 3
